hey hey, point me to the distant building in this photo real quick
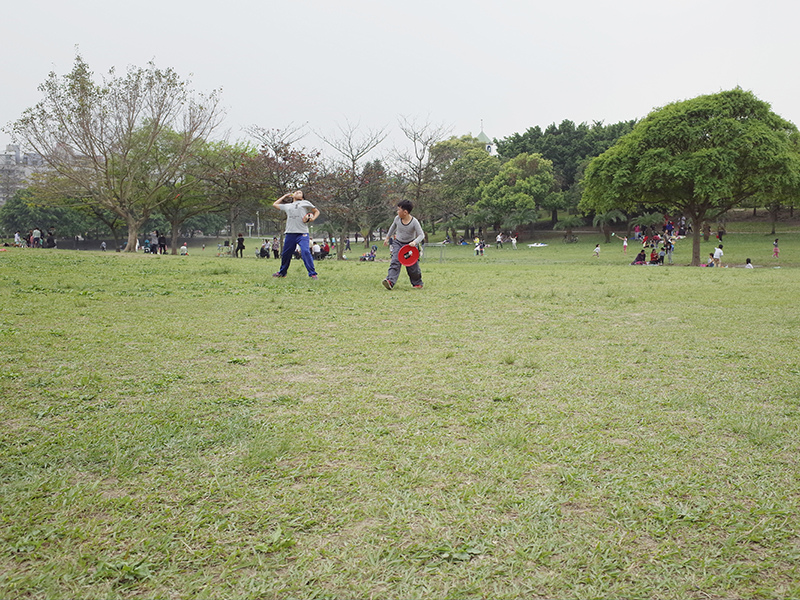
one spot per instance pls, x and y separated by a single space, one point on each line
487 143
16 168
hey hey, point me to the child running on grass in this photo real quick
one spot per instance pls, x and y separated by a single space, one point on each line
406 230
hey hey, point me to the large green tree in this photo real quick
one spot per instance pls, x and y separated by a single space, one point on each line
522 184
463 165
698 158
568 147
105 140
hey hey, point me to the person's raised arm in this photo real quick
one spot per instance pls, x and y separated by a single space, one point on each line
280 200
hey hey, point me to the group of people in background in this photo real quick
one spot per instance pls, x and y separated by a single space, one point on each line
34 239
657 246
154 243
268 246
654 253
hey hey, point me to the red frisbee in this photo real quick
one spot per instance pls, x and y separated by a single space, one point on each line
408 255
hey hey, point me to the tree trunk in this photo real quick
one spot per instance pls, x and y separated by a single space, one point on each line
773 215
174 238
231 235
696 226
133 231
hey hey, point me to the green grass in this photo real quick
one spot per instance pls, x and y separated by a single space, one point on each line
536 423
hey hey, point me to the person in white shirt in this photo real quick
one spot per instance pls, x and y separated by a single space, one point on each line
718 256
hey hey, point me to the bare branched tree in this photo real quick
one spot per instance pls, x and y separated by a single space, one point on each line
119 141
346 180
419 166
352 145
276 140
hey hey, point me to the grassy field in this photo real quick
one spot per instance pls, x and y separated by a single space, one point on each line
534 423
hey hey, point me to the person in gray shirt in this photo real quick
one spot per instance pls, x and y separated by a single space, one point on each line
405 229
299 213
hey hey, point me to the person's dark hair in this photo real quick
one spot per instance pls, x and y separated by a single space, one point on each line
406 205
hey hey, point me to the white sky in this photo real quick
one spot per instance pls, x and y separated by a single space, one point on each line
512 64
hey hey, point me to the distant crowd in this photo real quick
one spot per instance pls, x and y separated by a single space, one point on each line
35 239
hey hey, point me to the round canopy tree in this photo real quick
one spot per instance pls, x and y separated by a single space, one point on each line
700 158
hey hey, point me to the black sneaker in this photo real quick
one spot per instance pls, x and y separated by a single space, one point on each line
387 284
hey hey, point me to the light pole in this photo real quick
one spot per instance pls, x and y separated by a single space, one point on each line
258 225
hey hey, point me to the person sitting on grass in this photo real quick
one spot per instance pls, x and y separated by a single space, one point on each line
368 256
641 258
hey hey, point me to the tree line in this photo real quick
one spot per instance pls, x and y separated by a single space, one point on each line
137 149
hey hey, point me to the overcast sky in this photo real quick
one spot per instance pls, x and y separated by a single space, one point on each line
513 65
